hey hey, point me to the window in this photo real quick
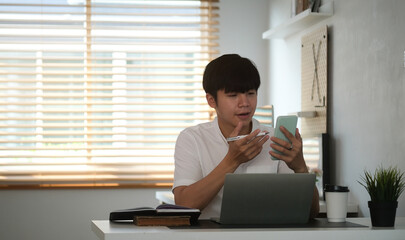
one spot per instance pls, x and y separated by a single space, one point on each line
315 155
95 92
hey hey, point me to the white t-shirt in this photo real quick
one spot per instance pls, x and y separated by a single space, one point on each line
199 149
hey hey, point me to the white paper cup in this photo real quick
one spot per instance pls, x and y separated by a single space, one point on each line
336 202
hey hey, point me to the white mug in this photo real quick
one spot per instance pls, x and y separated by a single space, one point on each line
336 202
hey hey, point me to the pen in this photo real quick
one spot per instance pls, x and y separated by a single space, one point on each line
231 139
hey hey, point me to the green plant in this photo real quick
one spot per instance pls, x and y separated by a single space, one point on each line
386 184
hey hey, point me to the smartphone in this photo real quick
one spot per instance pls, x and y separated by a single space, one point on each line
290 123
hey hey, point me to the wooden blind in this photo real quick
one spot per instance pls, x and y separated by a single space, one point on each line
95 92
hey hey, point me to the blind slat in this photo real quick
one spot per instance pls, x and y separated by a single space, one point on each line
105 96
136 5
74 118
67 65
68 58
170 103
80 80
73 140
50 49
103 111
105 125
80 133
86 156
161 147
196 44
80 88
145 14
186 29
22 38
103 73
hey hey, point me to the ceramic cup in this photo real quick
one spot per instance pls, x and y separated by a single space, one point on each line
336 202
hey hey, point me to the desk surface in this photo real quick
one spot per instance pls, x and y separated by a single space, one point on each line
106 230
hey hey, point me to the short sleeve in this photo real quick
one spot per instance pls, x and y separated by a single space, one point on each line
187 167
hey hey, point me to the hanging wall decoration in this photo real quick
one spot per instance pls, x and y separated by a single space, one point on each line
314 82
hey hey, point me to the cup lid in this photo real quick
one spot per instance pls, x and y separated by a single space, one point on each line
335 188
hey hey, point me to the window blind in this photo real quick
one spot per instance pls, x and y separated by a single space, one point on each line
95 92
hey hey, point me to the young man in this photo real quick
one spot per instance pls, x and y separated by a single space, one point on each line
203 156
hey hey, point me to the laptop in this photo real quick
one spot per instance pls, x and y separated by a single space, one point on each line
258 199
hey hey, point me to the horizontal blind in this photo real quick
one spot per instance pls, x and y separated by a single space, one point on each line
312 152
94 93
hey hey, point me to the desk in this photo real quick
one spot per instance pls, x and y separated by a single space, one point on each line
113 231
352 209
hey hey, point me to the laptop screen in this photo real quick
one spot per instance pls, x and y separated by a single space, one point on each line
267 198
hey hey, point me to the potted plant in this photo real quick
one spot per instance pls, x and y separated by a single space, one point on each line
384 187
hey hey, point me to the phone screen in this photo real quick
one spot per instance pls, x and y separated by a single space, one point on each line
290 123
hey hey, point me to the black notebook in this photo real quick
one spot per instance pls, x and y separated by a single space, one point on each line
126 215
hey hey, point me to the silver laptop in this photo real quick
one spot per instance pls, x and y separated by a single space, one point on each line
267 198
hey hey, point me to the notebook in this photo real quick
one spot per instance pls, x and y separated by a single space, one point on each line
267 198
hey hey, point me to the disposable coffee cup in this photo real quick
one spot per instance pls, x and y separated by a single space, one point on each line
336 202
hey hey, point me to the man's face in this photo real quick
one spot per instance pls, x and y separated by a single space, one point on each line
233 108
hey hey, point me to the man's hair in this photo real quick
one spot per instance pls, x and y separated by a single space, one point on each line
231 73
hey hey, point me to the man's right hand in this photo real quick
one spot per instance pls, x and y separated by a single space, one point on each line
247 148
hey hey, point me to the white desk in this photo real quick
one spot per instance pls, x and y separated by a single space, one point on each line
113 231
352 209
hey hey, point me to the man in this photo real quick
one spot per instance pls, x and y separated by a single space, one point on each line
203 156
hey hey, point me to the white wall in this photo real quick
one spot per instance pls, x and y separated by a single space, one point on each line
366 86
63 214
241 26
66 214
284 64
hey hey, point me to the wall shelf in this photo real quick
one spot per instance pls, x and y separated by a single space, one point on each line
300 22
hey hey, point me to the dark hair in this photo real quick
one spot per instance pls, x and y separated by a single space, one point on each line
231 73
